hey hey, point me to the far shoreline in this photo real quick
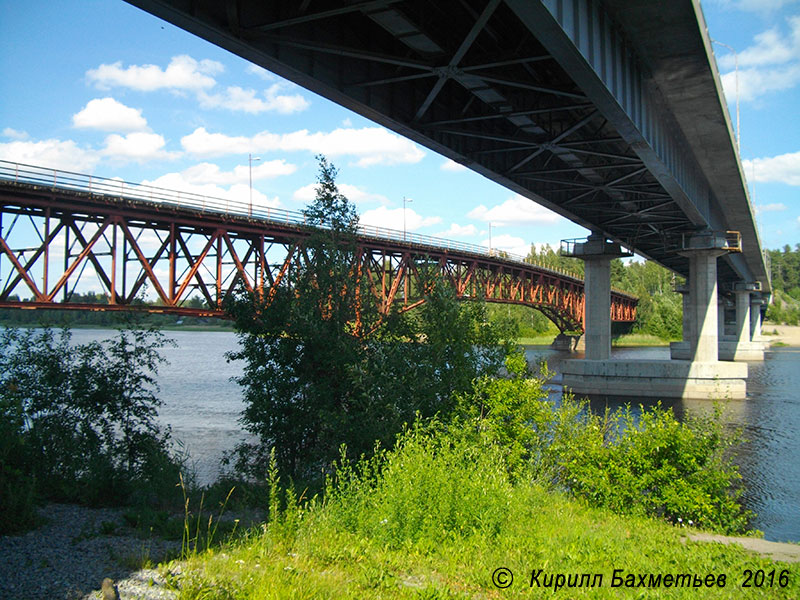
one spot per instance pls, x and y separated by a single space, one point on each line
772 334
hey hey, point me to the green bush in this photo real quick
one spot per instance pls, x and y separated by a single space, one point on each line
645 463
652 464
325 366
85 417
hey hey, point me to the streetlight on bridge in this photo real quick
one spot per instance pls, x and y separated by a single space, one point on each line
405 201
736 77
250 159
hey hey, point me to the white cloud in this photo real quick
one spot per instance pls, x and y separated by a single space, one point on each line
754 83
210 173
784 168
202 143
508 243
52 153
138 147
259 72
774 207
238 99
758 6
457 230
238 193
516 210
106 114
770 64
451 165
355 194
185 73
392 218
15 134
182 73
369 145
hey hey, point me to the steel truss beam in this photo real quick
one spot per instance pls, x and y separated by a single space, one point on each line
192 264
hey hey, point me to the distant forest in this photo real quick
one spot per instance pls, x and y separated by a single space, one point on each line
80 318
785 267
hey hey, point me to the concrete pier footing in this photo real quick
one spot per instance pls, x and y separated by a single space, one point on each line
727 351
656 378
566 343
700 374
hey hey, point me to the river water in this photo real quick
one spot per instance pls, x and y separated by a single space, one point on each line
202 405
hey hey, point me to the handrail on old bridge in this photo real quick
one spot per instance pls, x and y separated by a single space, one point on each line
116 191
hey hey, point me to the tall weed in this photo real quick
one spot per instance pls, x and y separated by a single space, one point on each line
435 484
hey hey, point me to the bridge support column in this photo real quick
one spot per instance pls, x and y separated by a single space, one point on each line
702 376
703 306
597 307
756 302
746 347
739 347
743 315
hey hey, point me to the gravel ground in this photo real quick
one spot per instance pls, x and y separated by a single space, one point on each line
69 555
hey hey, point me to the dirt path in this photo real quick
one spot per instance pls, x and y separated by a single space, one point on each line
774 550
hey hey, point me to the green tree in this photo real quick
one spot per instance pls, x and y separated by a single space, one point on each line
324 367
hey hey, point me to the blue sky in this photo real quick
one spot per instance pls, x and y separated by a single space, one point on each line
101 87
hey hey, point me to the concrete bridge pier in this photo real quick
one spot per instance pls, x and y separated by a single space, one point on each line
756 302
744 345
700 376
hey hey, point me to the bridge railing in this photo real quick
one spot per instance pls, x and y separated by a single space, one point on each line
118 188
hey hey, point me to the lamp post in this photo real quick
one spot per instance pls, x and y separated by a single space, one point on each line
490 238
736 77
405 201
250 159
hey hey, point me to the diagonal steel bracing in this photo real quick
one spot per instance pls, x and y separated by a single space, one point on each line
193 262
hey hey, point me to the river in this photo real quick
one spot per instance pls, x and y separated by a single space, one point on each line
202 405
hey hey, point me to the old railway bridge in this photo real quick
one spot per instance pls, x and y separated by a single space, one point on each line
58 229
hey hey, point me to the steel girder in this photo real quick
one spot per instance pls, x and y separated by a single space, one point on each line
549 98
181 255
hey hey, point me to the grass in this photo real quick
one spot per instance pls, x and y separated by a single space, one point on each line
539 340
630 339
542 530
435 520
639 339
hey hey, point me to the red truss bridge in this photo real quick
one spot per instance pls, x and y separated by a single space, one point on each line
60 229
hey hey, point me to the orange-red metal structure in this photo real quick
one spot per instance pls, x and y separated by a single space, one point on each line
59 229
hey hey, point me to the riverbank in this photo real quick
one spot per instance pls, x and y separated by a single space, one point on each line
786 335
630 340
546 541
74 549
69 556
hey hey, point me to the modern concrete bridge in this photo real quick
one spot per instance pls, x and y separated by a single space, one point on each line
609 112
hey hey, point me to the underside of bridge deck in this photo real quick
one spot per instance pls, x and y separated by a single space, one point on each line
567 102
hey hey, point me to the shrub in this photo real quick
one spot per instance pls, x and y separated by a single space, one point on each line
85 415
653 464
645 462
